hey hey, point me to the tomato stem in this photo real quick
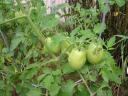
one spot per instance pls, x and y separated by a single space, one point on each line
40 36
85 82
10 20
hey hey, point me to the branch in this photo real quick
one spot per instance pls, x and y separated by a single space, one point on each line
40 36
85 82
104 15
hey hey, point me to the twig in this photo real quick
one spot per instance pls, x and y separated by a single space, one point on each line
4 39
104 15
35 28
10 20
46 93
118 90
88 88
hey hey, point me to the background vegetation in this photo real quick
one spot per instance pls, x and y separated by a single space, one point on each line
30 66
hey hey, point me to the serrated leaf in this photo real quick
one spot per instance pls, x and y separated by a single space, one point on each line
86 33
82 91
18 38
54 89
57 38
28 74
30 66
34 92
56 72
111 42
104 8
106 75
99 28
67 89
47 81
41 77
15 42
47 70
49 21
2 84
66 69
75 31
120 3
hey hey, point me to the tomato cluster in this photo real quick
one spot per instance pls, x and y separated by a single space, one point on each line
77 57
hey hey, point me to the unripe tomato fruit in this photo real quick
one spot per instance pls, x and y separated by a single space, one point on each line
51 47
94 53
77 58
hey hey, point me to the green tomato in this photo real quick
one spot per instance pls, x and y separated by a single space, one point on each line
95 53
51 47
77 58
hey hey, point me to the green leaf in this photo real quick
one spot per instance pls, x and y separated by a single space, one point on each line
66 69
49 21
34 92
116 74
28 74
47 81
106 92
57 38
120 3
41 77
75 31
78 7
99 28
87 33
15 42
92 77
56 72
18 38
54 89
111 42
30 66
47 70
122 36
103 7
106 74
2 84
82 91
67 88
85 69
1 17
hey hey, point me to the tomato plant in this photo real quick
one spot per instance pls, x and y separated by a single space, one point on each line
45 56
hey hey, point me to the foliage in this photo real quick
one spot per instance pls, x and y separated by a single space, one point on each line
26 67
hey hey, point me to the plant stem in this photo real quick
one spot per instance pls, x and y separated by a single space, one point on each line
10 20
38 33
84 81
40 36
